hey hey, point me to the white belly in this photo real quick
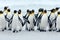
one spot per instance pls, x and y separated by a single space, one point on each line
2 22
52 17
58 22
16 23
31 25
44 22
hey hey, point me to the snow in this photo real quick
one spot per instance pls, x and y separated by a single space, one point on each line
24 5
32 35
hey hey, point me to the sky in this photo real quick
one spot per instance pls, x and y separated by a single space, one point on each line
29 4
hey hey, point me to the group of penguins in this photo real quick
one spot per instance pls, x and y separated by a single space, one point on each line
44 20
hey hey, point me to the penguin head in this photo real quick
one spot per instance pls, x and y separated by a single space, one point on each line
5 8
56 8
45 11
8 10
58 13
40 10
19 12
1 12
32 12
15 11
28 11
53 10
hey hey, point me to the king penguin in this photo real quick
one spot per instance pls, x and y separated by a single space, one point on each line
31 20
9 17
52 20
58 22
38 18
44 26
20 18
5 13
17 22
26 21
2 21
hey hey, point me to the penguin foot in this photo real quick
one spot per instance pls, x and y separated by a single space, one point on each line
54 29
19 30
5 28
50 30
14 31
29 30
2 29
10 29
32 29
58 31
38 29
41 30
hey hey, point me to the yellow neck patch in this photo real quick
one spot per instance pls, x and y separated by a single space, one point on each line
15 14
32 14
1 14
19 14
8 12
58 14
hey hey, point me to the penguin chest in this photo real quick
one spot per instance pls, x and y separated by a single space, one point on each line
31 18
16 21
2 20
44 20
52 17
9 16
58 21
31 21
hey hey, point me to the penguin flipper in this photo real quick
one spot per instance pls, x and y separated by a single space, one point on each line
6 18
34 22
20 21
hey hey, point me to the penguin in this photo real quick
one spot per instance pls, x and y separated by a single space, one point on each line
17 21
44 26
26 21
5 10
2 21
20 17
58 22
56 10
9 17
31 18
52 20
5 13
38 18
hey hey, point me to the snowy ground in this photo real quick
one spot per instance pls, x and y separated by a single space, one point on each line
33 35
